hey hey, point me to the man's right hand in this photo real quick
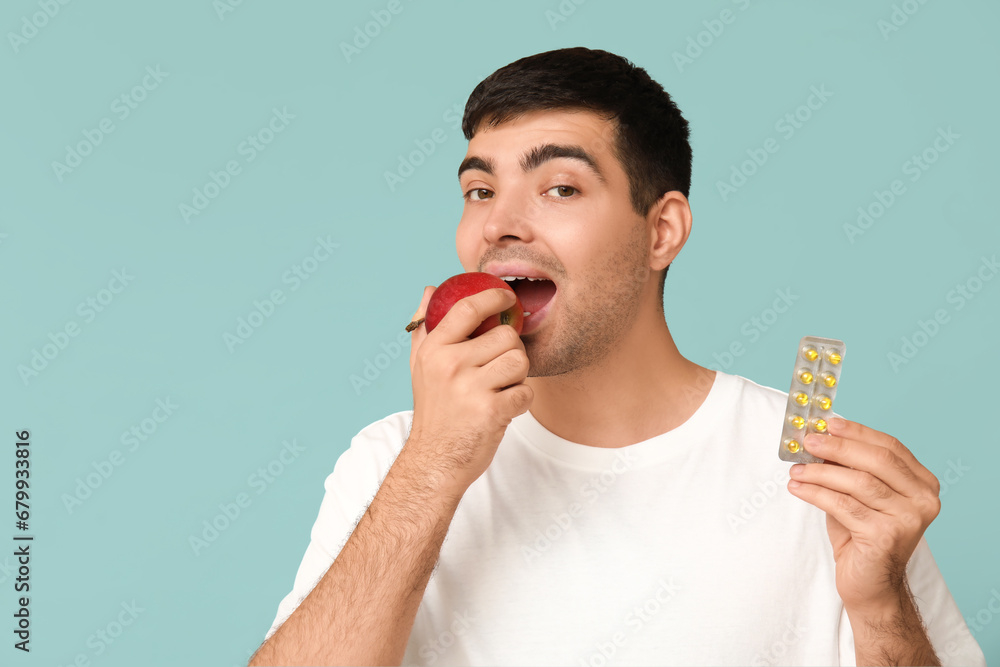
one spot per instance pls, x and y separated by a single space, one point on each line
465 391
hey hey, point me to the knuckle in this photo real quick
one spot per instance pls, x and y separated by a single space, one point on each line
897 530
903 467
507 335
911 522
885 458
520 398
519 362
935 485
524 397
446 365
931 503
501 366
874 487
851 506
466 309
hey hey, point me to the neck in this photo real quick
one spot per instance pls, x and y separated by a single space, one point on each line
643 388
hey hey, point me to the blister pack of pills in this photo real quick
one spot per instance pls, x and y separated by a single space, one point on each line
815 379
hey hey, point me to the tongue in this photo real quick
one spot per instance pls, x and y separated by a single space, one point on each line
534 294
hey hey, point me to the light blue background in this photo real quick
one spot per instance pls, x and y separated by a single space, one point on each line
323 175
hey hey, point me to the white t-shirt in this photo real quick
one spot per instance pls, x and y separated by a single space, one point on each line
683 549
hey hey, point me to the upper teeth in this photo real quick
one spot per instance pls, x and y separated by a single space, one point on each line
509 278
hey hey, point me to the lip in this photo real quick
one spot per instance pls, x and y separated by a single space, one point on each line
516 270
535 320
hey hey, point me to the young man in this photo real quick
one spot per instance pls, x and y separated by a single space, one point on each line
604 499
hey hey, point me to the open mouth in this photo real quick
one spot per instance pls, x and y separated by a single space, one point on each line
535 296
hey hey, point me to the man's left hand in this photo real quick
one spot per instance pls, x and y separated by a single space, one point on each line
878 501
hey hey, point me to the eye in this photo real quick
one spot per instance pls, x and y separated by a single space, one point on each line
563 191
478 194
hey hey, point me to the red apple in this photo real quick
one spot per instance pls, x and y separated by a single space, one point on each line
466 284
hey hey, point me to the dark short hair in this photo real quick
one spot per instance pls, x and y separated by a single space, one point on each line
650 139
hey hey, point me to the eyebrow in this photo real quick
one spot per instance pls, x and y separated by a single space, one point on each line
535 158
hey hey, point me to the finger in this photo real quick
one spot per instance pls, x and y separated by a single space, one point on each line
873 459
853 514
498 340
864 487
508 369
517 399
849 429
418 335
469 312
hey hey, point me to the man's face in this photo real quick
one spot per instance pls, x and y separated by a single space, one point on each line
557 216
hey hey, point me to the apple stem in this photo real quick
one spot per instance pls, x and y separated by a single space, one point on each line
414 324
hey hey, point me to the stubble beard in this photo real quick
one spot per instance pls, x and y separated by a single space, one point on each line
589 329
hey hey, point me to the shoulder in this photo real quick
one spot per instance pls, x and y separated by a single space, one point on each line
390 431
753 397
375 446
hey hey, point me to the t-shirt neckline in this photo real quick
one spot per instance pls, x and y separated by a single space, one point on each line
651 451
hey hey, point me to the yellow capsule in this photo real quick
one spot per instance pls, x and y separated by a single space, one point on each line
802 398
805 377
810 353
820 425
797 421
833 357
824 402
792 445
829 380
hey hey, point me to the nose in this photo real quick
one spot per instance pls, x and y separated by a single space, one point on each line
511 218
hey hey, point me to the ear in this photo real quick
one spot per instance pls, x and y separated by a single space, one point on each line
670 226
